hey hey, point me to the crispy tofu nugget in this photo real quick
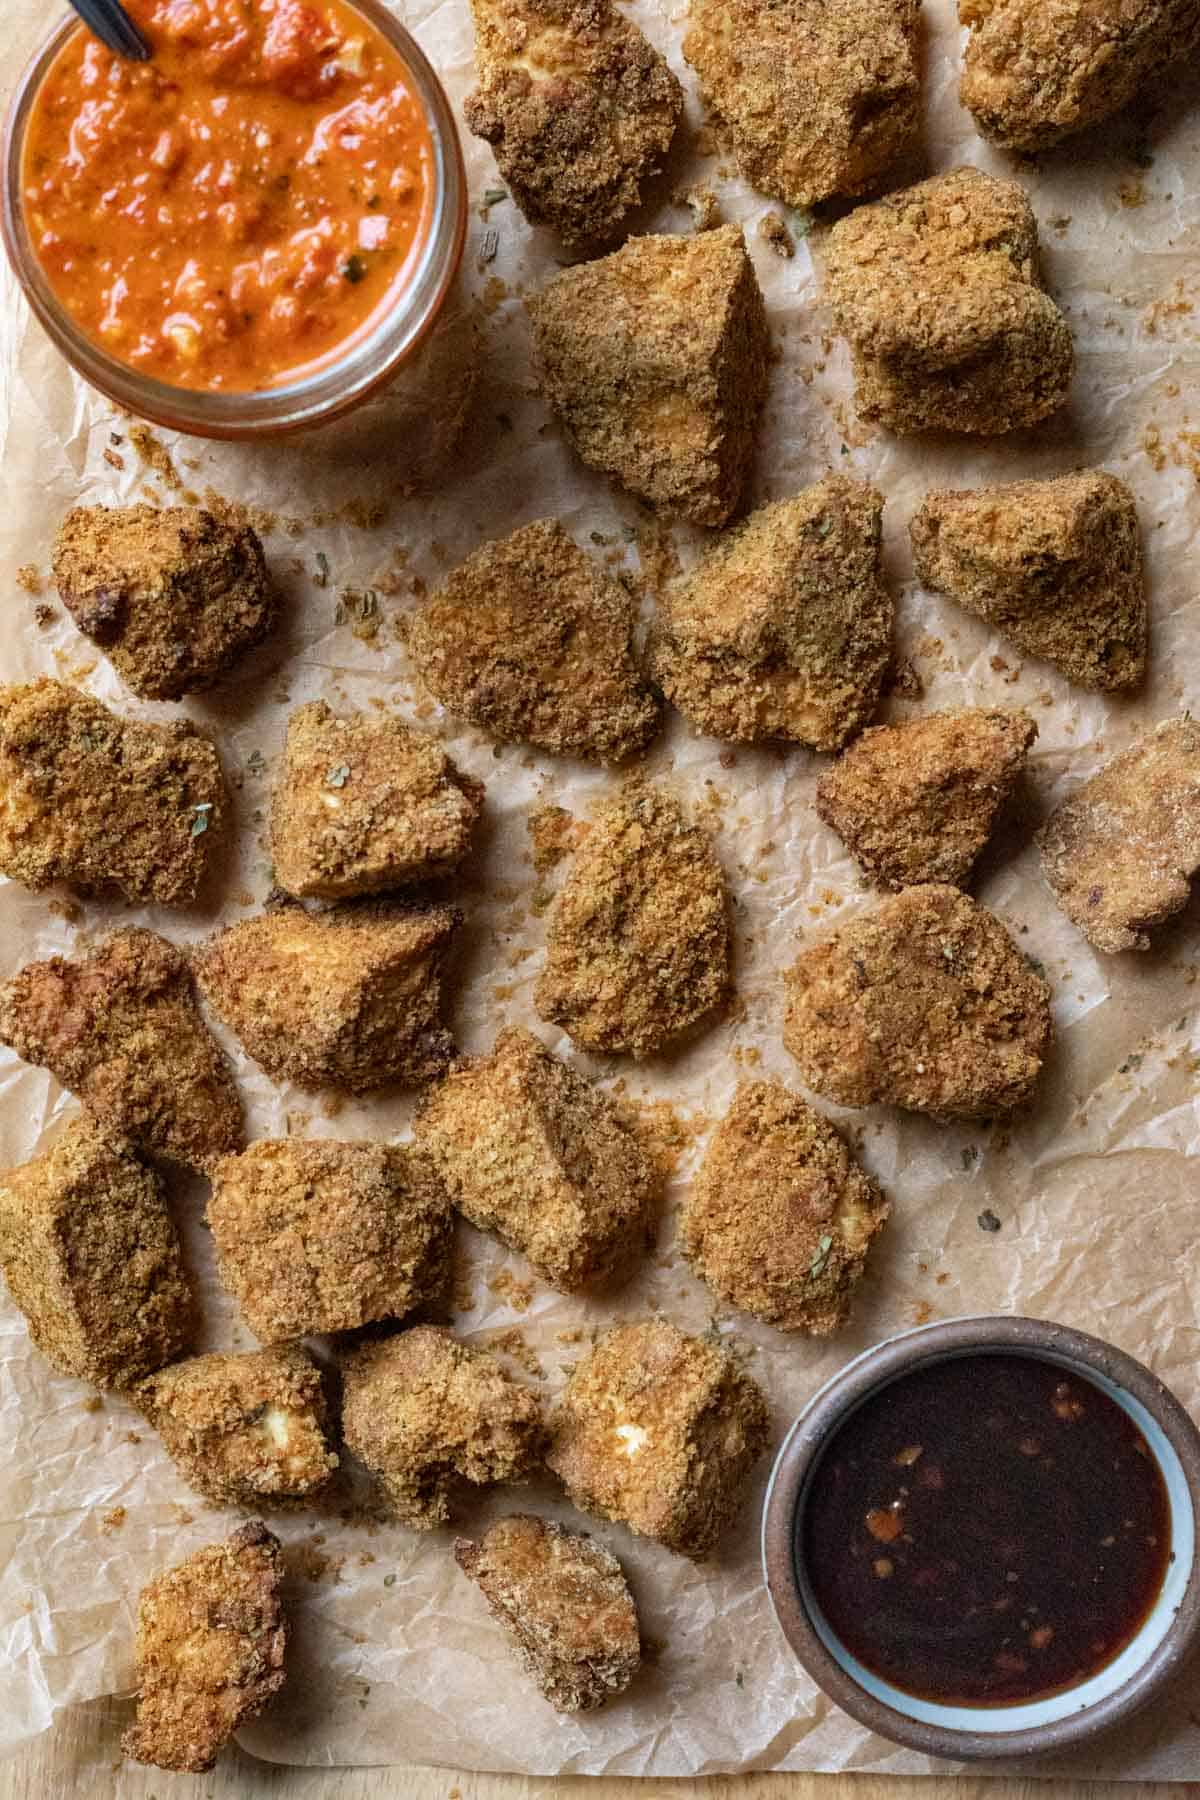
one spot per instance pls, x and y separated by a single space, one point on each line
1054 565
172 595
637 945
925 1003
917 802
659 1431
366 804
423 1410
313 1235
1121 852
350 998
655 359
819 97
565 1604
780 1217
937 290
210 1649
784 628
533 643
578 107
123 1031
530 1150
101 802
91 1256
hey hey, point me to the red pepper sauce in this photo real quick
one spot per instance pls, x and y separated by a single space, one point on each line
236 210
987 1531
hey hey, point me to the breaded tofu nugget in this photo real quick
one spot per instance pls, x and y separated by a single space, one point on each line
171 594
530 1150
101 802
780 1217
659 1431
92 1258
565 1605
655 359
937 290
122 1030
350 998
784 628
314 1235
578 107
917 802
1121 852
534 643
818 97
425 1412
925 1003
364 804
1056 566
243 1430
637 944
210 1650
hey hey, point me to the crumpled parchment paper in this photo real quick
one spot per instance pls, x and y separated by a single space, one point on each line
395 1656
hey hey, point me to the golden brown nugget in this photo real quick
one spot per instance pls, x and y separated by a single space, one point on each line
92 1258
637 944
314 1235
530 1150
1054 565
925 1003
659 1431
1120 853
917 802
655 359
425 1412
171 594
937 290
784 629
578 107
365 804
818 97
243 1430
101 802
122 1030
350 998
534 643
211 1639
565 1605
780 1217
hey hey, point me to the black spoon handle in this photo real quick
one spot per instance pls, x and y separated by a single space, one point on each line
109 21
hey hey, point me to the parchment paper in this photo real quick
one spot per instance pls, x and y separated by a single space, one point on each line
395 1657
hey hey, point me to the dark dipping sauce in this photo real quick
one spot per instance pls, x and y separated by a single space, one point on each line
986 1531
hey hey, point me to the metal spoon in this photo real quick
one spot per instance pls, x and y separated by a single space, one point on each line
108 20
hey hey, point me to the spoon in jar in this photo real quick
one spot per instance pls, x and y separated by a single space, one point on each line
108 20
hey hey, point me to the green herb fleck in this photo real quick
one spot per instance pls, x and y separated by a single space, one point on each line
322 575
339 776
845 449
823 526
801 222
200 819
1130 1064
256 762
494 196
740 1679
354 268
389 1581
970 1155
816 1267
987 1220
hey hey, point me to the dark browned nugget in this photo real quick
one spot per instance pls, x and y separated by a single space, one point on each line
937 290
637 945
315 1235
171 594
210 1650
1054 565
780 1217
534 643
123 1031
579 108
565 1604
926 1003
350 998
92 1258
102 802
422 1409
917 802
783 630
659 1431
1121 852
655 359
